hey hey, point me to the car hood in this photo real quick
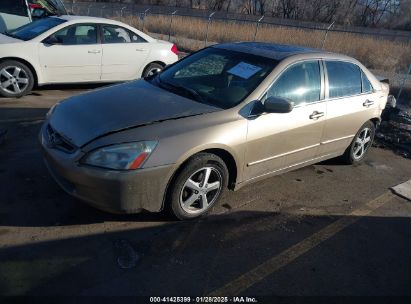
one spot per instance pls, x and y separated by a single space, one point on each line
6 39
83 118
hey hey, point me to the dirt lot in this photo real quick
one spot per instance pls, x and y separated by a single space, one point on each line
325 230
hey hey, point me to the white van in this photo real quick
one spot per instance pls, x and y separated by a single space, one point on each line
15 13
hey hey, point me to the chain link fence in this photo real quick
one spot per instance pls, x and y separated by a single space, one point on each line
119 10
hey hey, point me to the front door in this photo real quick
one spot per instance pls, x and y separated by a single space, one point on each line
280 140
73 55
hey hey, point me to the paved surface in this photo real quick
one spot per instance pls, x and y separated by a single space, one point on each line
327 229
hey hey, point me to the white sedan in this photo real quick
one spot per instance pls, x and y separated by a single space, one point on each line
73 49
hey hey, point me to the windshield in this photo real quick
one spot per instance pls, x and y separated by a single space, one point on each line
215 76
36 28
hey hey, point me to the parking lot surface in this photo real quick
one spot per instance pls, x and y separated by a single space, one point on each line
324 230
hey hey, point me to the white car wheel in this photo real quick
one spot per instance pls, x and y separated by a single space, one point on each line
16 79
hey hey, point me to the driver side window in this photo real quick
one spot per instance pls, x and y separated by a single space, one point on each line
77 35
300 83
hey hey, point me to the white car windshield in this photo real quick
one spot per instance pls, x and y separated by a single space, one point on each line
36 28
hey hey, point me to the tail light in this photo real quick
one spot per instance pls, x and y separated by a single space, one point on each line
174 49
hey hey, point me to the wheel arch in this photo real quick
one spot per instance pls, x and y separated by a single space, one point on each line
229 161
224 154
376 121
27 63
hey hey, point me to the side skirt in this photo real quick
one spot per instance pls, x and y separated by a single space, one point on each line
287 169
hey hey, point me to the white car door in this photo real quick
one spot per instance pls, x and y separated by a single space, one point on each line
124 53
72 54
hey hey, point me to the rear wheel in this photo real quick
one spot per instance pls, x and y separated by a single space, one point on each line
198 186
152 69
16 79
361 143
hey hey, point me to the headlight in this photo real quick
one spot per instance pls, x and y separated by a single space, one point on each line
129 156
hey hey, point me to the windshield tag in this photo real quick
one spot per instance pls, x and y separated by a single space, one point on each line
244 70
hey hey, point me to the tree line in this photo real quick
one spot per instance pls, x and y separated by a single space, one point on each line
394 14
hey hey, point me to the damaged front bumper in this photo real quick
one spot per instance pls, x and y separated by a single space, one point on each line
109 190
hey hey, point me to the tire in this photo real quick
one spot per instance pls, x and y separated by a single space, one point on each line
16 79
151 69
359 147
187 191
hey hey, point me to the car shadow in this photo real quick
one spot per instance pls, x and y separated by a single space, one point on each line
198 257
22 114
76 86
45 90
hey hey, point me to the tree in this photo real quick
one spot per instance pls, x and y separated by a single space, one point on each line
403 20
373 12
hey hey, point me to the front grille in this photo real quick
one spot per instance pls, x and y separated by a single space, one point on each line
56 141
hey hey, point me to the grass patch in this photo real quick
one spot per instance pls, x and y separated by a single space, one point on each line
190 32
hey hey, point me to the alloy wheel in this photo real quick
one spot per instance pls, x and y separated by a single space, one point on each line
13 80
153 71
201 190
362 143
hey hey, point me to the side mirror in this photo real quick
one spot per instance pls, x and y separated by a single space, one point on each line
51 40
278 105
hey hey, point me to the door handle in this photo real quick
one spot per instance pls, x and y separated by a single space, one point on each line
368 103
140 50
315 115
94 52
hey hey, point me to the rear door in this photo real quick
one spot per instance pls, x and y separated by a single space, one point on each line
279 140
351 101
124 53
74 57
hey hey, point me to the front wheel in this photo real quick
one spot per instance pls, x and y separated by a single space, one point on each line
198 186
16 79
361 143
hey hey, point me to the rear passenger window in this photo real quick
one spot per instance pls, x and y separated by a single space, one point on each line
117 34
344 79
301 83
366 84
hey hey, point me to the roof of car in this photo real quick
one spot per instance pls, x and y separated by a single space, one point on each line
269 50
87 19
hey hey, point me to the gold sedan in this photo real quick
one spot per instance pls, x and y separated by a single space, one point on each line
223 117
